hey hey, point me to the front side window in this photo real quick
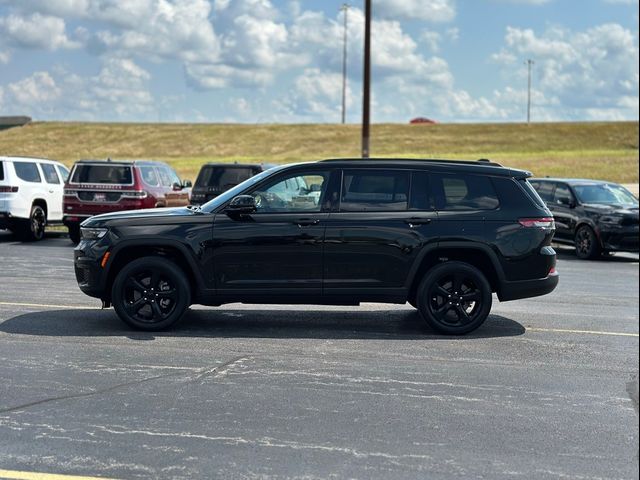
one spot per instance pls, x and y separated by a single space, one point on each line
27 171
299 192
50 174
167 176
374 191
454 192
562 195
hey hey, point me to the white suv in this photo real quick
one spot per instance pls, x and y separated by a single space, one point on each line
30 194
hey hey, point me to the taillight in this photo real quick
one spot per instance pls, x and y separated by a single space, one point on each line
542 222
553 271
137 194
8 189
70 193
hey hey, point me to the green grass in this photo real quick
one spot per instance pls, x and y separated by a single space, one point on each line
607 151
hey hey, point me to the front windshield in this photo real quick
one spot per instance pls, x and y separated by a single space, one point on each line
606 194
221 199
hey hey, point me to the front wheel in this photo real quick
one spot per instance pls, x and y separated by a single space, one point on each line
151 293
454 298
587 246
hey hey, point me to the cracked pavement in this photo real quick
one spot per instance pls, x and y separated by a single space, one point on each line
249 391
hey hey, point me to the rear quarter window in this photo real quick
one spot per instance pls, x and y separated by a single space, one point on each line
453 192
531 192
1 170
27 171
107 174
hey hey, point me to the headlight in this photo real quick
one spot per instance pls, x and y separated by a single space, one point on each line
93 233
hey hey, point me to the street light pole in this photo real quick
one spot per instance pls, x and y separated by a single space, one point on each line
529 63
367 81
345 9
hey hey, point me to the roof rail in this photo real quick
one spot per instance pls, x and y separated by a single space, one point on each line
482 161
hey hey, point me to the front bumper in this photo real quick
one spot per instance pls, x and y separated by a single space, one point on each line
89 273
624 239
528 288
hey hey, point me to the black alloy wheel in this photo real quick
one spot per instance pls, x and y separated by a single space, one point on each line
454 298
587 246
33 229
151 293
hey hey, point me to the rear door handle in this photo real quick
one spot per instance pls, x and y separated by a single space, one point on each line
415 221
306 222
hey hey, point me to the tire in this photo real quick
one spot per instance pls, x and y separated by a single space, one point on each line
587 245
74 233
454 298
151 293
32 230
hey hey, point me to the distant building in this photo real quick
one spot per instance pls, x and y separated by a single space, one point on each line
10 122
418 120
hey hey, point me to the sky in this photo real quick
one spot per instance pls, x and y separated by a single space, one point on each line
280 61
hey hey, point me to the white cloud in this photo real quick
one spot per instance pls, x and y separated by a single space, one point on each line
584 72
431 40
427 10
35 31
39 88
526 2
318 95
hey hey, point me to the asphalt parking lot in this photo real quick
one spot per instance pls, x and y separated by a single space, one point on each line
246 391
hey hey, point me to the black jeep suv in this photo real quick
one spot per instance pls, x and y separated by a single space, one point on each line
441 235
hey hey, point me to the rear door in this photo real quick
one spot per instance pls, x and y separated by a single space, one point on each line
383 220
55 187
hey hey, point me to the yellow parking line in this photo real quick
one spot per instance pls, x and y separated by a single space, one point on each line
588 332
41 305
18 475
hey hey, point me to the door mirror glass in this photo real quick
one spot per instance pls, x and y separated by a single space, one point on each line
242 205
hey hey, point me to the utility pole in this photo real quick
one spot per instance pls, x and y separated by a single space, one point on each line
345 10
529 64
367 81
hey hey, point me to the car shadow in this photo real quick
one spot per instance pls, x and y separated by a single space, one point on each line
401 324
61 239
568 253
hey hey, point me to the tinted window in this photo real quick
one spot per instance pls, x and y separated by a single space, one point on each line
115 174
544 189
27 171
1 171
562 194
50 174
223 178
149 176
167 176
64 172
463 192
294 193
374 191
420 195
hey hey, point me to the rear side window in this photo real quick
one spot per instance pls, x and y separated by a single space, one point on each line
223 178
64 172
420 194
149 176
544 189
374 191
50 174
27 171
108 174
463 192
1 170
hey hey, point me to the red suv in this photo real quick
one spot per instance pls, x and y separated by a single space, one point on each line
98 186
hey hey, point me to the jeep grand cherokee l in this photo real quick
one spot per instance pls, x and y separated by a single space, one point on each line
96 187
441 235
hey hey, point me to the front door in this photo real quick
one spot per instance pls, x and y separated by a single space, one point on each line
563 209
279 248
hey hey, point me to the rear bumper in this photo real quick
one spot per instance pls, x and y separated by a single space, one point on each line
528 288
5 220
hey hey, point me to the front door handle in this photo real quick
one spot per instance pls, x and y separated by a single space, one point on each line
306 222
415 221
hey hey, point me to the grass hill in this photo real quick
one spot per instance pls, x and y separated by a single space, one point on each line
593 150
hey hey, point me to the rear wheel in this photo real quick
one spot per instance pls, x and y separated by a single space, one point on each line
32 229
151 293
74 233
587 246
454 298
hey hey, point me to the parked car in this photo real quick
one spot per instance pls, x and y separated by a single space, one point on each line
215 178
597 217
442 235
96 187
30 195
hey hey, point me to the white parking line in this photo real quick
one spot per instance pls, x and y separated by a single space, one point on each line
587 332
43 305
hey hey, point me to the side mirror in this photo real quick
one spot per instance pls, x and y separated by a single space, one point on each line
176 187
315 187
242 205
567 202
187 184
